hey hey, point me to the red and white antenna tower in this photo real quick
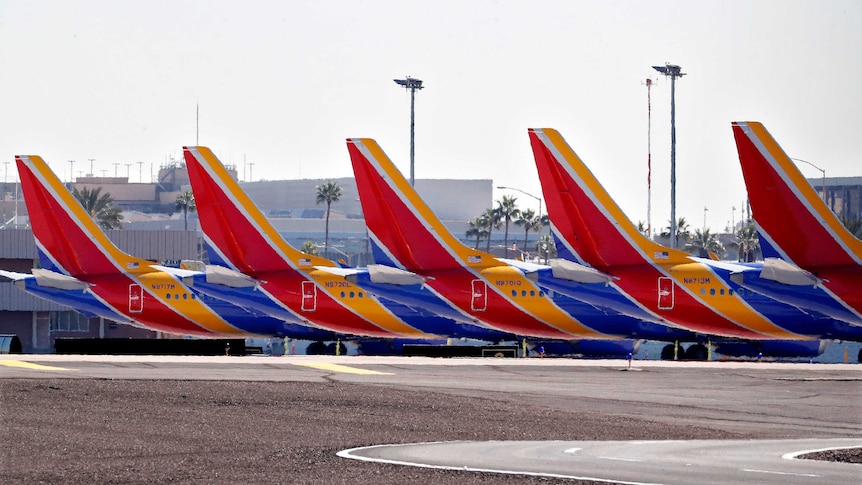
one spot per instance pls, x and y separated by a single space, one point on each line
648 83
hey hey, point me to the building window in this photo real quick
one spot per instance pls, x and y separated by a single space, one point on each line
69 322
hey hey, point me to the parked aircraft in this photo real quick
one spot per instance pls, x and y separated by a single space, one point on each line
82 268
498 293
245 249
696 293
798 232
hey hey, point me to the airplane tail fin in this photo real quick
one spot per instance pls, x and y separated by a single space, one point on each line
405 230
791 216
237 233
589 224
68 239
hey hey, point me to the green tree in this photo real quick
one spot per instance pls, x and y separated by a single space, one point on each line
507 207
186 204
683 232
529 221
308 247
704 242
477 229
328 193
853 224
491 220
642 228
100 207
749 244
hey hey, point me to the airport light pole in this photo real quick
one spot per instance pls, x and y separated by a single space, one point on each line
818 168
673 72
411 84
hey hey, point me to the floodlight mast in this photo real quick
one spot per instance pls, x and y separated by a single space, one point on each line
411 84
673 72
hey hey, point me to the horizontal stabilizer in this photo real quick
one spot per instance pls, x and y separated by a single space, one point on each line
523 265
381 273
179 272
569 270
51 279
219 275
14 276
779 270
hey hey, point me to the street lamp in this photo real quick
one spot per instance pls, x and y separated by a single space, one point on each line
818 168
411 84
673 72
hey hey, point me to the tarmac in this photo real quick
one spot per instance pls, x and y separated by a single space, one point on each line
135 419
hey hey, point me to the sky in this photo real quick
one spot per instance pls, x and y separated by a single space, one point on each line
276 87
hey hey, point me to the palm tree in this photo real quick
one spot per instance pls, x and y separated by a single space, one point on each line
749 244
329 192
853 224
186 203
100 207
477 229
530 221
683 232
508 210
705 242
308 247
643 229
491 219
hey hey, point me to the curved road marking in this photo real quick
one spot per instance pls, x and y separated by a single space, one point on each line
673 462
349 454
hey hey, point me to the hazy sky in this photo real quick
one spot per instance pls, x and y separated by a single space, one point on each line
282 84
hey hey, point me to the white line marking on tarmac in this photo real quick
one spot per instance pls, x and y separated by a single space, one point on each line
572 450
618 459
778 473
349 454
793 455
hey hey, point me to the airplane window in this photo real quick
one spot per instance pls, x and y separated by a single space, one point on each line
703 291
712 291
342 294
168 296
185 296
176 296
541 293
514 293
523 292
352 294
194 296
730 291
360 294
721 291
532 292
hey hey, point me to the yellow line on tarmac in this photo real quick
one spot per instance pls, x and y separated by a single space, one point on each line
341 368
29 365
